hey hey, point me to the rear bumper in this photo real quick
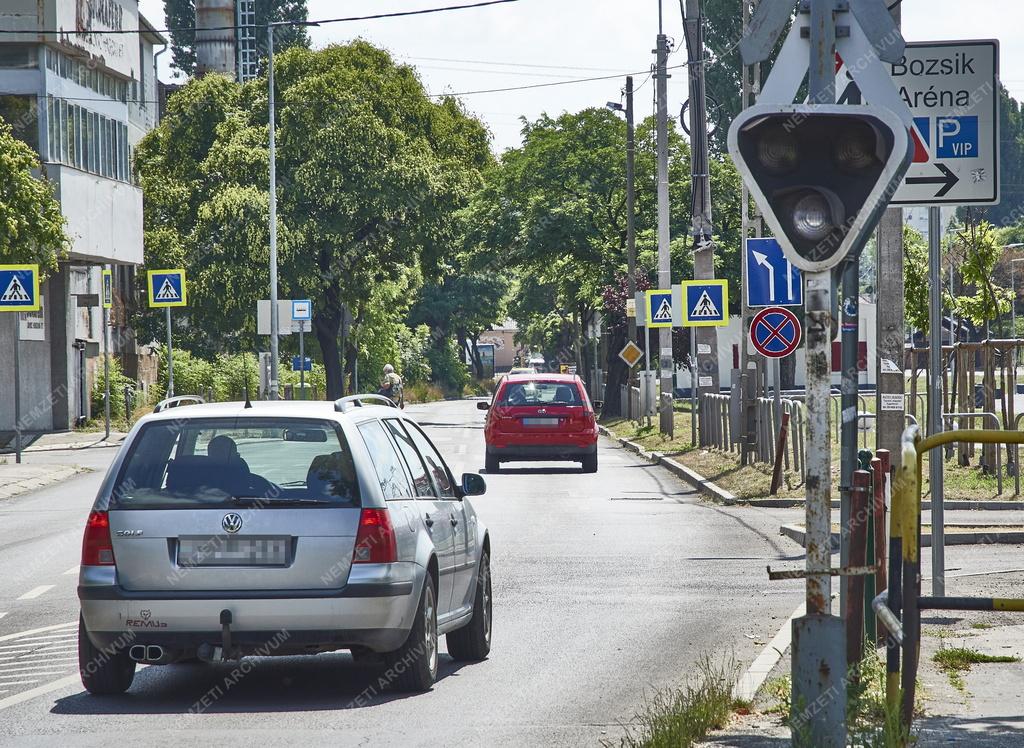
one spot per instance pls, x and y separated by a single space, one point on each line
375 610
542 452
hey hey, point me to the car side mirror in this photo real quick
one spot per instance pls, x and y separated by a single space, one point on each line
473 484
598 404
483 405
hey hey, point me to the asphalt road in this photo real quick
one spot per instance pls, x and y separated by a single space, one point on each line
607 587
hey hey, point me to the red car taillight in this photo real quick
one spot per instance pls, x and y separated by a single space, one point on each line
375 541
97 550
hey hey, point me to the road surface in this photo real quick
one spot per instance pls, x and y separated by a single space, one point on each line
606 586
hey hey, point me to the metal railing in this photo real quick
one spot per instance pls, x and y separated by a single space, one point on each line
951 417
899 608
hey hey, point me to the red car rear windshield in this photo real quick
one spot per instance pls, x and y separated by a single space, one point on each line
540 393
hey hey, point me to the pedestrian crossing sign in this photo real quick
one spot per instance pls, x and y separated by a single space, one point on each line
19 288
166 288
659 308
705 303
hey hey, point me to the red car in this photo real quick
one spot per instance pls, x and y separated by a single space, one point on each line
540 417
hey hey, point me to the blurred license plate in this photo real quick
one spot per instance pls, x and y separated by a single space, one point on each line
540 421
221 551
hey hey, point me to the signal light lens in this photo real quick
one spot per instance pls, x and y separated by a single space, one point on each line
812 216
856 148
777 150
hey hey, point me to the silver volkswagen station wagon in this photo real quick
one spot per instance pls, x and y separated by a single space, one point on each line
281 528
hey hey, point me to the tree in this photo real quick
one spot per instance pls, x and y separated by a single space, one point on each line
976 251
181 18
554 212
915 279
31 222
371 176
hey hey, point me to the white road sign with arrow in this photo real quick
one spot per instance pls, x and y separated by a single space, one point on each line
952 89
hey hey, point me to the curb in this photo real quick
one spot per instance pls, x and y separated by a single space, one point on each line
798 534
17 488
954 505
698 481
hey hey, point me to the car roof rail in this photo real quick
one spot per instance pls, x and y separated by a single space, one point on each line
358 401
174 402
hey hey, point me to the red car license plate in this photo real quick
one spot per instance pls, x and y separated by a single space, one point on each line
540 421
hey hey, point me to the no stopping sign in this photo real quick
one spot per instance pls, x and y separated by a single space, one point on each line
775 332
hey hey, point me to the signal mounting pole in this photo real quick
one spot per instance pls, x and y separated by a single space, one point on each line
664 256
702 230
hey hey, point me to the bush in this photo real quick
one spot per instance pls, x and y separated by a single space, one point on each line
192 376
316 378
413 346
118 381
232 373
448 369
423 392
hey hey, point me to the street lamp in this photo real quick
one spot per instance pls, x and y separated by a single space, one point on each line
275 321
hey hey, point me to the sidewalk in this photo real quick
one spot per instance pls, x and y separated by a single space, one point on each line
18 479
49 442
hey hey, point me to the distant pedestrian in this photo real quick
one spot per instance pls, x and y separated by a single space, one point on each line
391 386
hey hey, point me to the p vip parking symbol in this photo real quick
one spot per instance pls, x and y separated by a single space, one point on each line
19 288
167 288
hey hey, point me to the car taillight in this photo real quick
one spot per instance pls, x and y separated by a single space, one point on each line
97 550
375 541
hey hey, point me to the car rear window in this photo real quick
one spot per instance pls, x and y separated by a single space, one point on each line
222 462
540 393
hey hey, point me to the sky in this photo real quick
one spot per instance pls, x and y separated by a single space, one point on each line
545 41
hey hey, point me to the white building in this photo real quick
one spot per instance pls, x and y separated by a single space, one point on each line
82 99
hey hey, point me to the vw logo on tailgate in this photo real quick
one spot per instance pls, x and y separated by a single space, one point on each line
232 522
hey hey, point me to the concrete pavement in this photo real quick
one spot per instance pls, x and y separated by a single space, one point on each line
606 587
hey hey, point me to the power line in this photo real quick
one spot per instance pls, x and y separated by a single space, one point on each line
548 85
347 19
512 64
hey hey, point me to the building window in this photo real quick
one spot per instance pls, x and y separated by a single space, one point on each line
17 56
87 140
22 114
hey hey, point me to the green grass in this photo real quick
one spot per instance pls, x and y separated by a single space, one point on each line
980 625
954 661
650 437
679 718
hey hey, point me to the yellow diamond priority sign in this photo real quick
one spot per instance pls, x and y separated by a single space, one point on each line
631 354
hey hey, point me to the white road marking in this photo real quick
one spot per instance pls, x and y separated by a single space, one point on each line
72 570
3 614
29 632
35 641
36 592
31 693
25 670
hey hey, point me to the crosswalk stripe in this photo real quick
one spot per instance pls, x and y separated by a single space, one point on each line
31 693
72 570
40 630
37 591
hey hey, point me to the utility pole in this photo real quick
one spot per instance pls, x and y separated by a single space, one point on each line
275 321
664 256
752 226
891 335
630 230
702 229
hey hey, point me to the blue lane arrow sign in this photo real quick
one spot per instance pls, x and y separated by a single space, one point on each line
771 278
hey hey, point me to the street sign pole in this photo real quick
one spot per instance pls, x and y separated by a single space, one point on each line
170 356
17 389
106 368
849 319
302 359
935 398
693 386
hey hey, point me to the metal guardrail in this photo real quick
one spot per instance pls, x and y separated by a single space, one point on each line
899 608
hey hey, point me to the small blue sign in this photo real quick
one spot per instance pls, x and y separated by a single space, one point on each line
956 137
705 303
19 288
771 278
302 310
302 365
659 309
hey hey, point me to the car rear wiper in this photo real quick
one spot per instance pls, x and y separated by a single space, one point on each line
267 500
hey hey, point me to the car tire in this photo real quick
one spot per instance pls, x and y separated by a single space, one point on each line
491 463
104 672
472 642
590 463
413 666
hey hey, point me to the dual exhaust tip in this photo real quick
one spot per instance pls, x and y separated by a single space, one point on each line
151 653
